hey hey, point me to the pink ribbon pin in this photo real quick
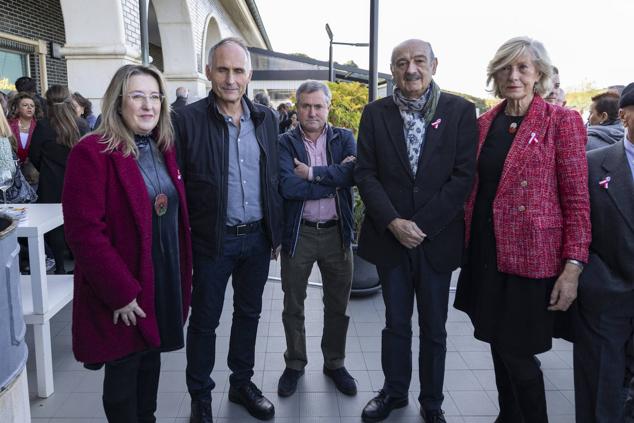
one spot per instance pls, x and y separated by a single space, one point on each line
604 182
178 174
533 139
436 123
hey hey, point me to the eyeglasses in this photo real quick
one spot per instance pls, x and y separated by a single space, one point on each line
139 98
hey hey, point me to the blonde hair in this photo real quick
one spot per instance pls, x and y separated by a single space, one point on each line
116 134
5 129
510 51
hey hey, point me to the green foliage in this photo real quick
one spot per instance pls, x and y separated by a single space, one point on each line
348 100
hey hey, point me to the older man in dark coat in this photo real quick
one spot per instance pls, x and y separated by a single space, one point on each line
415 167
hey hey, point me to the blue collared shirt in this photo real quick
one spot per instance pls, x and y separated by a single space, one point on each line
244 202
629 154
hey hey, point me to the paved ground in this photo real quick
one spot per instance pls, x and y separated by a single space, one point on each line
470 395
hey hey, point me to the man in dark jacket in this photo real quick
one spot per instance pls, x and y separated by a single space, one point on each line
604 126
415 167
228 152
316 164
605 318
181 98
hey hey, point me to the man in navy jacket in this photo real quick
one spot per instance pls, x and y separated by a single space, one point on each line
316 164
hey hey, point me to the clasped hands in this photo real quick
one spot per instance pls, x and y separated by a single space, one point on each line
407 232
301 169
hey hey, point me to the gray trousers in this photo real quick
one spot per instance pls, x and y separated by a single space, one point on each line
335 264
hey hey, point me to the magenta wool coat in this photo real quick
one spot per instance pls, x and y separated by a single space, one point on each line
108 226
541 211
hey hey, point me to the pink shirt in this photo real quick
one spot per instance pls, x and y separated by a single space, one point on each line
323 209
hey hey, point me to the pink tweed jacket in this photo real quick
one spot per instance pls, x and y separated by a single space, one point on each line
541 211
108 226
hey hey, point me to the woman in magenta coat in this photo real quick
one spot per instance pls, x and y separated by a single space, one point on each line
527 225
127 225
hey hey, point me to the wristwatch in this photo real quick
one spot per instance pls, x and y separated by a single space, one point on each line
575 262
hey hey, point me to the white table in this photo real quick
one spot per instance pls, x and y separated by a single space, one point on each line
42 295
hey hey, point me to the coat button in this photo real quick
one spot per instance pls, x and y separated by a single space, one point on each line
521 208
416 189
524 184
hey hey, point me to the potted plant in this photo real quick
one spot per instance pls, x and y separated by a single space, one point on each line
365 278
349 98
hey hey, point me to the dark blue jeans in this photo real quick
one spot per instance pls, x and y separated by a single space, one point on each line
414 278
246 259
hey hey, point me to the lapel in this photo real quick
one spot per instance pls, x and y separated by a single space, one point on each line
621 187
175 175
394 124
433 135
530 134
135 191
297 141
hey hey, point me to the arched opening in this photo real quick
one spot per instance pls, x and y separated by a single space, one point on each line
212 36
154 38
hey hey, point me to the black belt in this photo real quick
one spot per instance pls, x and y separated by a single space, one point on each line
320 225
243 228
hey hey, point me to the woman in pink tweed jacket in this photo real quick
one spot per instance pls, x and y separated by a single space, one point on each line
527 225
127 225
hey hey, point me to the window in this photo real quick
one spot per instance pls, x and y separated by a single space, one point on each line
12 66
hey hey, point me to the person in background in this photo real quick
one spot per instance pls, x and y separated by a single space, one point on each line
556 96
4 102
282 110
127 225
23 114
53 139
604 126
84 109
25 84
527 225
263 99
182 94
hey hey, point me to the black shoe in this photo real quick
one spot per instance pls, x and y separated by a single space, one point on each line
380 407
433 416
201 411
249 396
343 380
288 382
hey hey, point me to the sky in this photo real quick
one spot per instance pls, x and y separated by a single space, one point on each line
590 41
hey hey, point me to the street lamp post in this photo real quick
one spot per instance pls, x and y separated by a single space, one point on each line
331 68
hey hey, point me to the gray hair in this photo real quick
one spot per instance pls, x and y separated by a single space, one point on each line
511 50
182 92
310 86
234 40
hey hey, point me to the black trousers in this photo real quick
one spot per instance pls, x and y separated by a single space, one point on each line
130 387
415 278
600 360
520 384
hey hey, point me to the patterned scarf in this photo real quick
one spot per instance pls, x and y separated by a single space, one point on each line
416 115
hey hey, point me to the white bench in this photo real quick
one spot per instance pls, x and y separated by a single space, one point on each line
42 295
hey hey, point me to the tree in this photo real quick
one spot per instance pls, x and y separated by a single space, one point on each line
348 100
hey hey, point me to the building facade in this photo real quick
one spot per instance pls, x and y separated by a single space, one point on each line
81 44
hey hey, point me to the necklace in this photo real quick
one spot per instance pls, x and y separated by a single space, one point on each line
514 123
24 127
160 200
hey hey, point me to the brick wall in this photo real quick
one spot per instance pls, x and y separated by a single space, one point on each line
131 22
37 20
